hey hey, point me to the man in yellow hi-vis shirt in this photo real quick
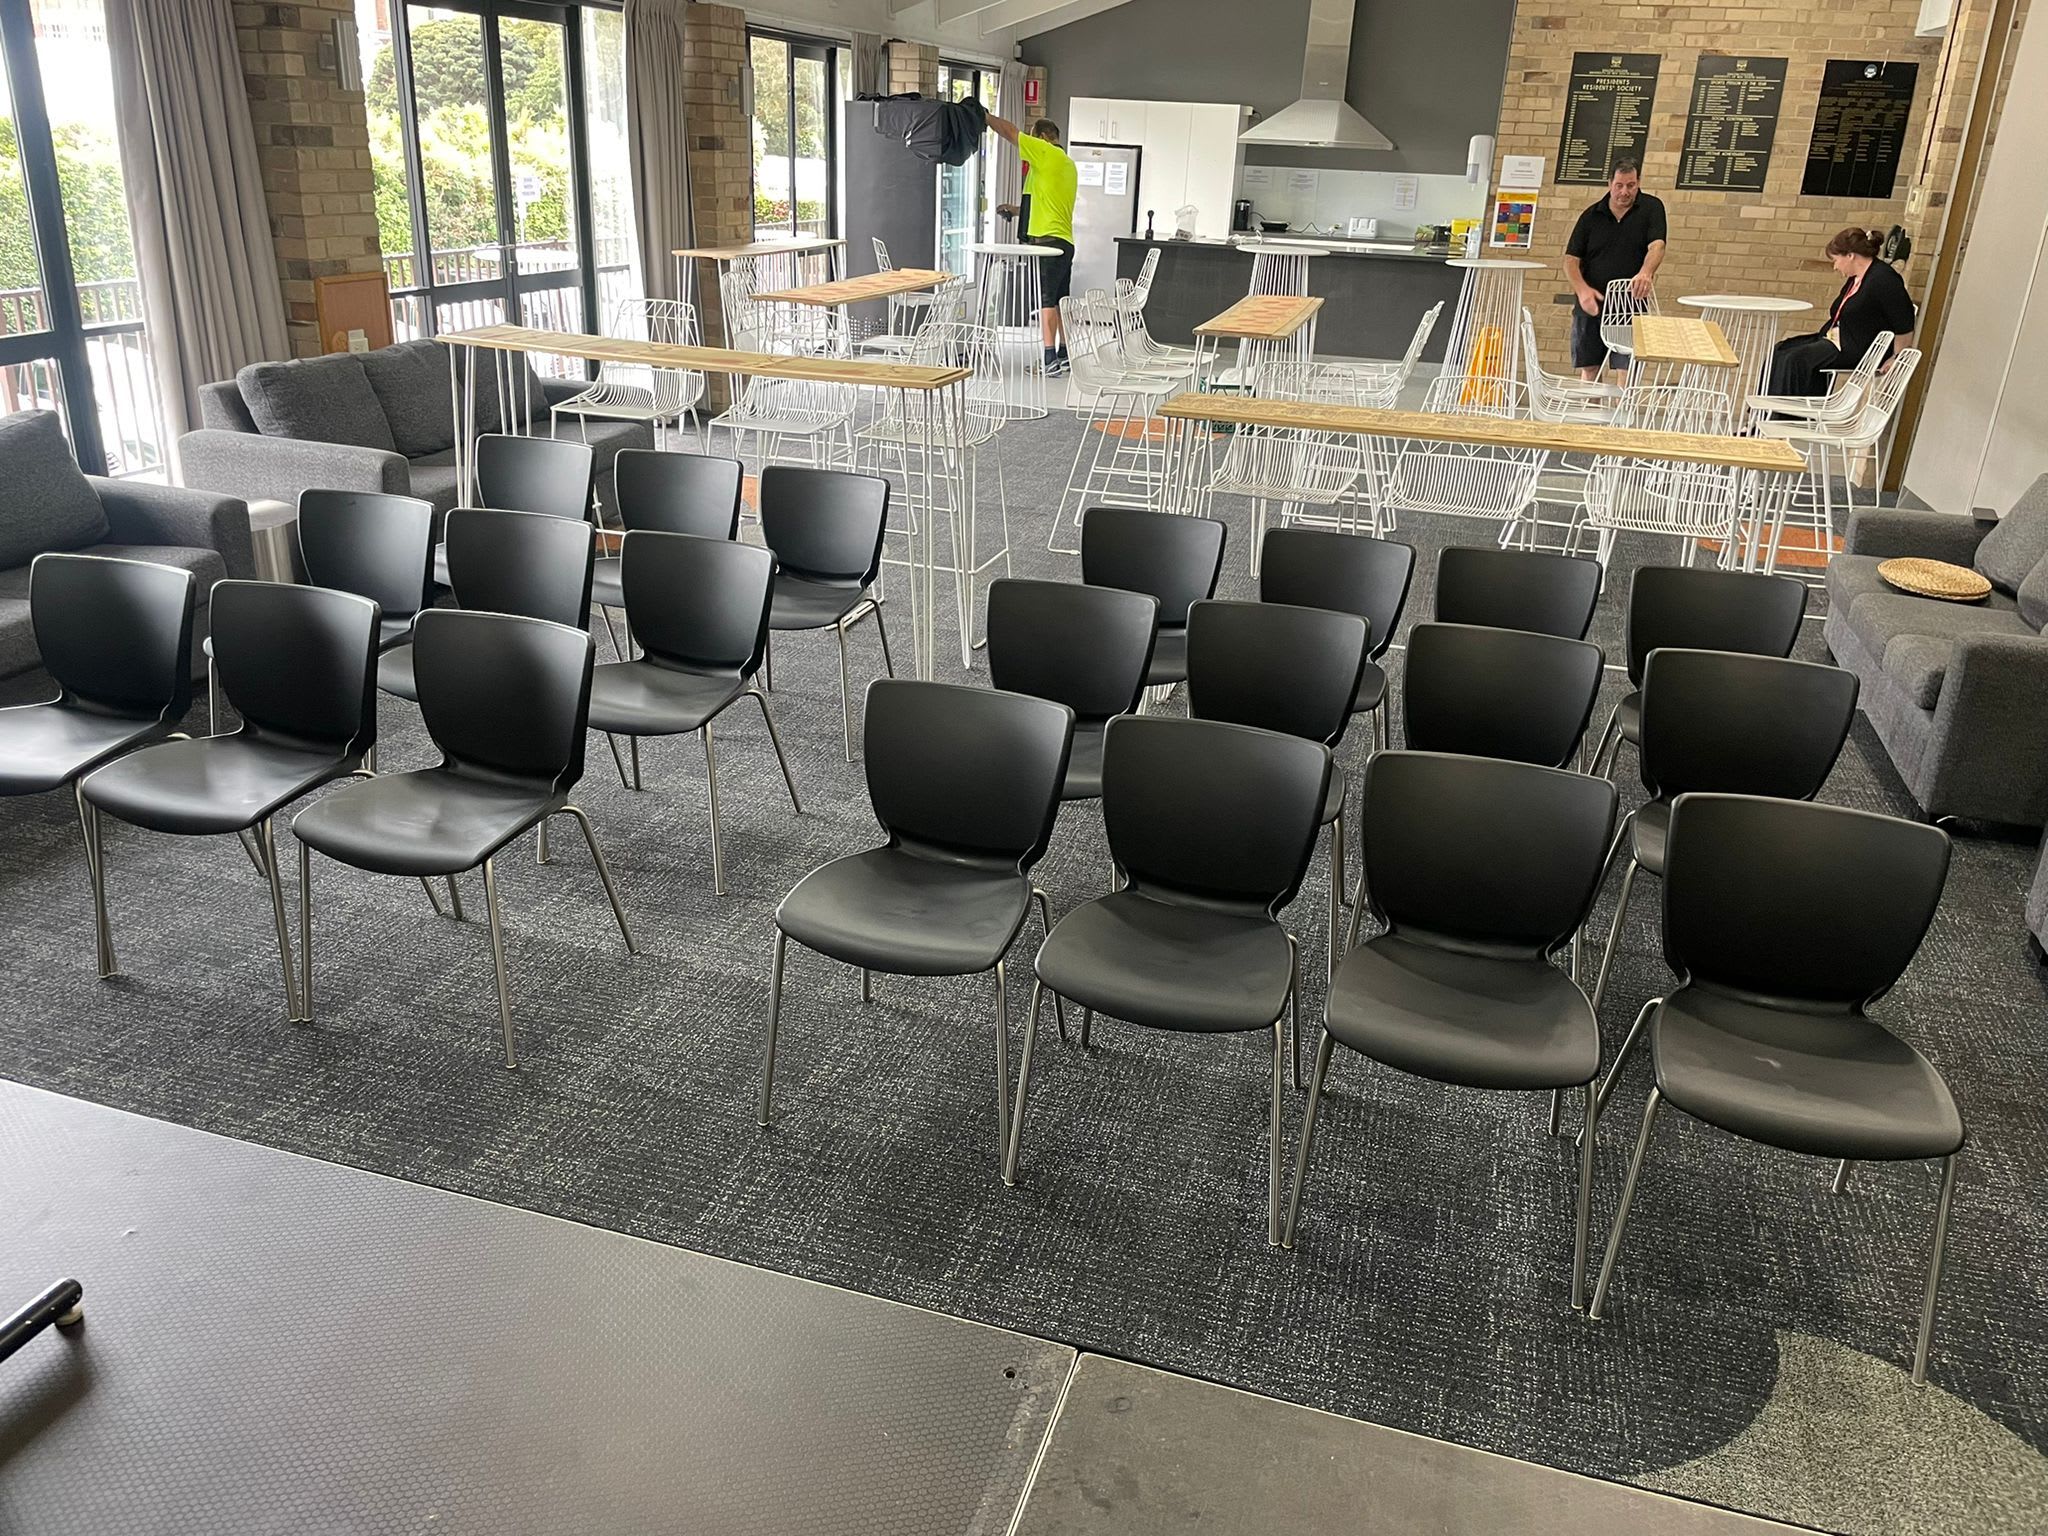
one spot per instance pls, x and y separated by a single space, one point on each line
1053 180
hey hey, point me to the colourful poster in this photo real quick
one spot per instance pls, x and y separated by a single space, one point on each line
1514 221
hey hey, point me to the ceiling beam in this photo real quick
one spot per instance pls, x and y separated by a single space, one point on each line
959 10
1028 17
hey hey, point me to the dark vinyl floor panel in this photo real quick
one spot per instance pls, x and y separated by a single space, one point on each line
1429 1290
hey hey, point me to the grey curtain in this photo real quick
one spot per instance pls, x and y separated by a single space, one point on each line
1010 105
210 292
870 65
658 140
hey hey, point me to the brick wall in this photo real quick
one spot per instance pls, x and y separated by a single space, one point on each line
313 140
913 67
721 152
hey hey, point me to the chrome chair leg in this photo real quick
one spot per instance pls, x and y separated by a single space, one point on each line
711 786
1087 1023
254 851
498 960
1308 1133
1556 1110
1002 1066
1628 1195
306 932
1336 901
604 873
1927 1305
284 940
1294 1010
1273 1144
845 693
867 985
617 649
881 629
1841 1183
95 868
775 739
618 761
633 752
455 898
540 844
1583 1216
1628 883
1059 1009
212 698
1023 1087
774 1021
1628 1045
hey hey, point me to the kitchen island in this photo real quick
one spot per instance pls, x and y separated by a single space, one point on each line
1376 290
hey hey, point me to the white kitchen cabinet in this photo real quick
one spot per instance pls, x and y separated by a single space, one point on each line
1163 167
1191 153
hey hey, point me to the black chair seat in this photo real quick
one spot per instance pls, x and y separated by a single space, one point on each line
801 604
394 673
1481 1021
607 586
427 823
214 784
1648 832
1833 1084
1169 657
1169 965
45 745
1333 798
895 912
1372 689
639 698
1628 718
1084 764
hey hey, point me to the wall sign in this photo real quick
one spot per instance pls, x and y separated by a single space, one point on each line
1859 128
1033 87
1514 220
1606 114
1732 123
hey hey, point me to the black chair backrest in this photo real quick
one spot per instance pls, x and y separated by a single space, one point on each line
1507 693
966 773
824 525
698 604
678 492
1742 725
1081 646
1275 666
1479 853
1816 905
371 543
115 634
299 664
1176 559
1319 568
1517 589
524 563
1200 810
1706 610
504 696
551 476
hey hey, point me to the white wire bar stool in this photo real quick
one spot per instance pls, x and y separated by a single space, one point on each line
1120 460
1563 398
637 391
1689 502
1484 338
1131 299
1492 483
1310 475
1008 276
1619 307
951 302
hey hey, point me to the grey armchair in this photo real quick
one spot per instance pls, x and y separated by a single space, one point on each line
1957 692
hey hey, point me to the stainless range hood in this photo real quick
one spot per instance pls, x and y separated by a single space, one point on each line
1322 118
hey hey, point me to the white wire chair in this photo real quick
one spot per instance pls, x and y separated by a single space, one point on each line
638 391
1131 299
904 308
1496 484
1563 398
1298 469
1843 402
1619 307
1689 502
952 303
1379 383
1123 438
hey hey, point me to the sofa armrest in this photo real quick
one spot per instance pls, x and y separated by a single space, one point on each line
1888 532
555 391
259 468
1989 752
174 515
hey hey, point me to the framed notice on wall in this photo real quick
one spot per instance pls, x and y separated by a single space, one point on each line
1859 128
1606 114
1514 220
1731 124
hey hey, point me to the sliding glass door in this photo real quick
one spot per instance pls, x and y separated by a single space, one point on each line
964 190
795 136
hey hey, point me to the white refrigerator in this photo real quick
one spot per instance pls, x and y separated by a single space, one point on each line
1105 206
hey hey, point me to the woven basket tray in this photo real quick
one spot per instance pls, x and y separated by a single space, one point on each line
1936 578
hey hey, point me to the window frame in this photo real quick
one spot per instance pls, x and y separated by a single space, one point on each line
825 51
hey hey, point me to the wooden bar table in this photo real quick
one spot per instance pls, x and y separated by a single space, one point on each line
1677 349
782 263
1751 325
1268 328
833 300
933 401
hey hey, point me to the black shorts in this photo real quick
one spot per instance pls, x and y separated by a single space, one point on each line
1588 350
1055 273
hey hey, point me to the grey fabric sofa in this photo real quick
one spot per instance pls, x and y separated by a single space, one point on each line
373 421
47 504
1958 692
2037 905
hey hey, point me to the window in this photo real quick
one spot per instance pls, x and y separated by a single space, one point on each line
966 201
795 136
71 332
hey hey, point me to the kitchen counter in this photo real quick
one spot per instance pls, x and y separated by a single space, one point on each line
1376 290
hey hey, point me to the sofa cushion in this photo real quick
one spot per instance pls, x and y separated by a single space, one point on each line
433 480
1914 638
2033 596
45 500
18 651
410 382
2010 551
317 400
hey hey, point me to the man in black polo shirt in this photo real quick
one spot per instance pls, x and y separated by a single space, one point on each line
1622 235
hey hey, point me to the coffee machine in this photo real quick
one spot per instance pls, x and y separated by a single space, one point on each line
1242 218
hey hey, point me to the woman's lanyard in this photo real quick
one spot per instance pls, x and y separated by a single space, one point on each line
1834 330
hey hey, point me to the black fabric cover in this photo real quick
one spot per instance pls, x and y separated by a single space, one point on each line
945 132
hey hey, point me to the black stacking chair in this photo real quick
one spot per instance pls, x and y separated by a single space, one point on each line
1726 722
1318 568
966 783
1508 693
825 527
1213 826
299 665
1694 608
1518 589
1481 870
1081 646
700 609
1289 669
524 563
661 492
551 477
1785 922
1173 558
506 699
116 638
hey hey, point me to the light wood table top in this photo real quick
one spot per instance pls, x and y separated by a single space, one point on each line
661 354
1263 317
1681 339
795 245
853 290
1753 453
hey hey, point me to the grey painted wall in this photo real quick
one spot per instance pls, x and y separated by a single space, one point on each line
1426 73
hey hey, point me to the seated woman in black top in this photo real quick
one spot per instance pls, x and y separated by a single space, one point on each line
1873 299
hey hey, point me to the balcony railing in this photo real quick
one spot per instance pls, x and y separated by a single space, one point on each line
131 417
546 301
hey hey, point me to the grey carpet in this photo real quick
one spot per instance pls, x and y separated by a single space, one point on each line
1429 1291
